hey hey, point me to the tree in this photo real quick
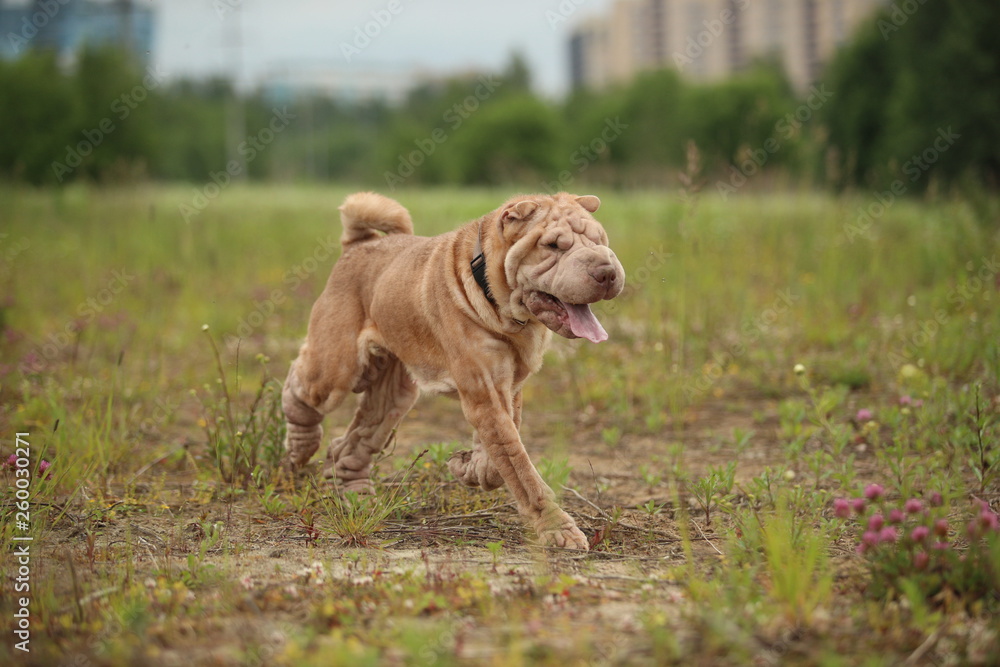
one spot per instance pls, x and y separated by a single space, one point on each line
39 113
916 97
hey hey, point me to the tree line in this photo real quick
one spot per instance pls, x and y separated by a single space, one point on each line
914 99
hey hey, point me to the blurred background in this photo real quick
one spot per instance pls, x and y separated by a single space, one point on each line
549 95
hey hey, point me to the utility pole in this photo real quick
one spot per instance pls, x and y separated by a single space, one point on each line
235 114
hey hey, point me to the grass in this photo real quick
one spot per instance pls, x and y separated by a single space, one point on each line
704 467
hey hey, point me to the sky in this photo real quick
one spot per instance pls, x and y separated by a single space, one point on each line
193 37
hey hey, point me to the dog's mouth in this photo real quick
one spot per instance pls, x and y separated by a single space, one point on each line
571 320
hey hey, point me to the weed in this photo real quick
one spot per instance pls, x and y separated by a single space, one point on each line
555 472
612 436
912 548
241 443
354 517
796 565
649 477
714 488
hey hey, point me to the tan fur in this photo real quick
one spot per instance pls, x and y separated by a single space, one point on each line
401 313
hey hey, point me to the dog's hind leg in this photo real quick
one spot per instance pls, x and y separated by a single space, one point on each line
384 403
304 416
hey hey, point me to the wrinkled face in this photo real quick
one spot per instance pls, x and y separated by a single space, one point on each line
560 262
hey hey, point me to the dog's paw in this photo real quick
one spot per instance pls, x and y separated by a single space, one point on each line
362 487
559 530
459 466
301 442
473 468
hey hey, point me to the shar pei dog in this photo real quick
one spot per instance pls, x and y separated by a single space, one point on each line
467 313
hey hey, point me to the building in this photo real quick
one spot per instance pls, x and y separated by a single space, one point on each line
712 39
67 26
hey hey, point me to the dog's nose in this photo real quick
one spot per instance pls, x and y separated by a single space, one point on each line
604 275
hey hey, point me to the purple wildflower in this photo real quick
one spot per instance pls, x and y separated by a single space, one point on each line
888 534
864 415
841 508
875 522
869 539
874 491
913 506
858 505
896 516
941 528
920 560
920 533
936 499
905 399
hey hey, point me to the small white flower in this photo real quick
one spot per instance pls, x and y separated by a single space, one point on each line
204 327
799 369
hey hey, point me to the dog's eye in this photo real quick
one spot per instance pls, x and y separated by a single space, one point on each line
554 246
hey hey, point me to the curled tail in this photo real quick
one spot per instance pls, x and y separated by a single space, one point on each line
367 215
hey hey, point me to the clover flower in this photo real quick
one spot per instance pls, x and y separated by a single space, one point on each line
888 534
841 508
874 491
913 506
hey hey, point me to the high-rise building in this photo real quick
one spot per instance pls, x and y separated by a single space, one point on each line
712 39
66 26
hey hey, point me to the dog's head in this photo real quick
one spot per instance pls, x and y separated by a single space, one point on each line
557 262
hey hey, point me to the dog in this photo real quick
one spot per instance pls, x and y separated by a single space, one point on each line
468 313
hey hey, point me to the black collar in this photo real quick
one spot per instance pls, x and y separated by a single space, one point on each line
478 265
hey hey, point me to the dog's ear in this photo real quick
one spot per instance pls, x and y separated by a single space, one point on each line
519 211
589 202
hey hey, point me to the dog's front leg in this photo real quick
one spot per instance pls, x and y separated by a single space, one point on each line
491 411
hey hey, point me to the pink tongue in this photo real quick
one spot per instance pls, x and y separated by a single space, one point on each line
583 323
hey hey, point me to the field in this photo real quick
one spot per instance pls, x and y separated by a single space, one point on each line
787 453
